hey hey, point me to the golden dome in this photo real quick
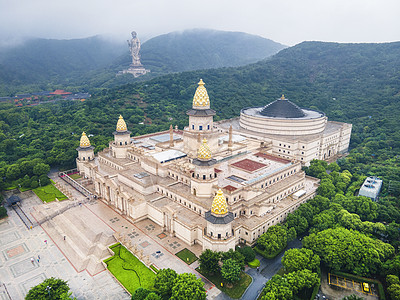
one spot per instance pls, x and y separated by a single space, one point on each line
121 125
201 99
204 152
219 206
84 141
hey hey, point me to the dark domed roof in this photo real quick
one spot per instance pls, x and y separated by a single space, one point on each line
282 108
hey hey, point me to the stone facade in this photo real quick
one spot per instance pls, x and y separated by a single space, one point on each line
172 178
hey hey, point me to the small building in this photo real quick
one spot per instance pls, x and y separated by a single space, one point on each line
371 188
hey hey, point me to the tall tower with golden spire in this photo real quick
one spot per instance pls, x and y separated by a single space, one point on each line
200 122
219 236
204 176
85 153
122 139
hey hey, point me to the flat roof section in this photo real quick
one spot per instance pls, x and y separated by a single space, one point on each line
164 138
248 165
168 155
272 157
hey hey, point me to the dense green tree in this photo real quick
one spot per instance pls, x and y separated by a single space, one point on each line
41 169
301 280
299 259
348 250
291 234
153 296
209 261
277 288
187 286
274 240
394 291
56 288
44 180
140 294
326 188
230 270
247 252
392 279
392 266
13 172
298 222
235 255
3 212
164 281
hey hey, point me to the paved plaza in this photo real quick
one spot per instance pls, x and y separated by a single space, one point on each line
18 273
88 226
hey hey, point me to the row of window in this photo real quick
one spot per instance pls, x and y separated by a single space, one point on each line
200 127
264 228
176 176
272 181
183 202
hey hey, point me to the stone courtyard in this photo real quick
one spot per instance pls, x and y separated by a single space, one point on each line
88 229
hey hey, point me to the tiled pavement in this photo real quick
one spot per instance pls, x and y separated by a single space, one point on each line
160 247
18 273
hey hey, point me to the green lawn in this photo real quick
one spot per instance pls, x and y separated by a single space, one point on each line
129 271
187 256
49 193
238 288
75 176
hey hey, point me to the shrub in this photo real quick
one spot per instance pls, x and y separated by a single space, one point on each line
248 253
254 264
3 212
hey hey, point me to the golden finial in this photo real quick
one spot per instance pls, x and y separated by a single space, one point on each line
121 125
283 97
219 205
84 143
201 99
204 152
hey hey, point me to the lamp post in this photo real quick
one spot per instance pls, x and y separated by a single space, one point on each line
39 183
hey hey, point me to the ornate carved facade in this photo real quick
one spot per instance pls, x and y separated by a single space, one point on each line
205 185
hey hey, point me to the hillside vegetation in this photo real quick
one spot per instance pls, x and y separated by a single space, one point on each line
90 63
356 83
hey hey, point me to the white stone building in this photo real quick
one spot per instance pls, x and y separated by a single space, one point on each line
290 132
211 184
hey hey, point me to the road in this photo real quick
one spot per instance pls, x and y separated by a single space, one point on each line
268 268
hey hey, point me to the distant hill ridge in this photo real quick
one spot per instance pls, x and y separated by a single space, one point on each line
204 49
94 61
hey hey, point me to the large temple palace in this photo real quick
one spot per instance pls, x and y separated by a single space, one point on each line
215 184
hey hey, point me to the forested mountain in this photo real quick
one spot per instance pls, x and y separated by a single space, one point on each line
355 83
204 49
41 64
41 60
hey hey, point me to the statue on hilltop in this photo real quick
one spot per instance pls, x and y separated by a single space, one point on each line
135 68
134 47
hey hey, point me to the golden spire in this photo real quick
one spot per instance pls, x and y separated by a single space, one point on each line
283 97
121 125
219 205
204 152
84 141
201 99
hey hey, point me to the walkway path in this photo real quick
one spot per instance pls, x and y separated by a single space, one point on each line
18 245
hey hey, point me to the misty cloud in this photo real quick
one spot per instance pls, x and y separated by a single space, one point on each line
288 21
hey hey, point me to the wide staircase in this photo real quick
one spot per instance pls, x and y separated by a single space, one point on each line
82 237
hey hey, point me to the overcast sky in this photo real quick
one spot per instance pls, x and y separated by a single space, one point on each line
286 21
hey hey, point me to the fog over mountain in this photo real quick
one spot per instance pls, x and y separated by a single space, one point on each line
288 22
